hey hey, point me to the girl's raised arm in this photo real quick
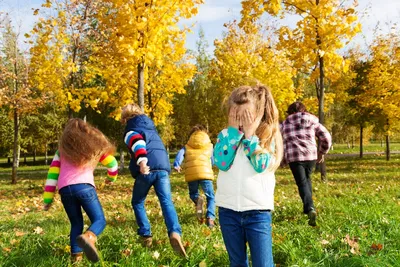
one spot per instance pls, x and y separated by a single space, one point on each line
259 161
52 179
111 163
226 147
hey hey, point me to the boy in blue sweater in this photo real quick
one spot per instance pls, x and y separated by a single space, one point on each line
149 166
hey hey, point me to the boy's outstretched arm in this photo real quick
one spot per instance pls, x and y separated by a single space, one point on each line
179 159
137 145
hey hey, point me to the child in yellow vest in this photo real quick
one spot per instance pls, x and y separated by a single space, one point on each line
198 171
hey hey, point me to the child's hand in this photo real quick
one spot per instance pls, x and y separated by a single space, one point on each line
178 168
46 207
234 118
321 157
250 124
144 169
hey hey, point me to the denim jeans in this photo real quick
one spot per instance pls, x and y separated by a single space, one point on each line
208 189
75 196
162 186
301 171
252 226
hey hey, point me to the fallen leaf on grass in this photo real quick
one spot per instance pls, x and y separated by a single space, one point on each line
38 230
18 233
127 252
156 255
186 245
203 263
376 247
353 243
7 249
207 232
324 242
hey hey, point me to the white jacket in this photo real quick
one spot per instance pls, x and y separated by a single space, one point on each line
241 188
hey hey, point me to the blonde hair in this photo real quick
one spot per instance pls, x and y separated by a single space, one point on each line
268 131
130 111
82 144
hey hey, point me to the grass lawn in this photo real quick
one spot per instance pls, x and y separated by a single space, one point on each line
371 147
358 223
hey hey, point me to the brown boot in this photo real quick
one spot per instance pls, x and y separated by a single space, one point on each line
147 241
176 243
76 257
199 208
87 242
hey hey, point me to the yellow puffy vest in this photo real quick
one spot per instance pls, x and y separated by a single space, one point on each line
198 157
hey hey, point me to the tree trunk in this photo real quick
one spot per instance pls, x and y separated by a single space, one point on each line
361 141
140 91
70 113
387 140
150 105
352 142
121 160
321 96
320 91
16 148
46 157
34 155
387 147
25 158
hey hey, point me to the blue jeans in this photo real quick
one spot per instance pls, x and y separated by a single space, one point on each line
162 186
252 226
77 196
208 189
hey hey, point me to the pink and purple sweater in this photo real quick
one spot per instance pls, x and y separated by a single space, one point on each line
62 173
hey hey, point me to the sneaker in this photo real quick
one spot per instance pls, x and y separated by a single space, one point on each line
210 223
199 208
147 241
312 217
176 244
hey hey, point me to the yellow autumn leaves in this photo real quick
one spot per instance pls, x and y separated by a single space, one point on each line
88 53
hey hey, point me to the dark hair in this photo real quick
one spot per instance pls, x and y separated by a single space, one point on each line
296 107
198 127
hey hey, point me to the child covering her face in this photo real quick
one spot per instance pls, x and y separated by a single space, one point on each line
247 153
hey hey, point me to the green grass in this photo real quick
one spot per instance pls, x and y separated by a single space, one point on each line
371 147
361 201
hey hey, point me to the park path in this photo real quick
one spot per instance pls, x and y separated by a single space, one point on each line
329 155
358 154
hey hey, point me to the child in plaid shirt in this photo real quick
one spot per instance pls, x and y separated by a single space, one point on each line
299 131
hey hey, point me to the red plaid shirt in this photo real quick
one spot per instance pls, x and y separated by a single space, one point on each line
299 131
